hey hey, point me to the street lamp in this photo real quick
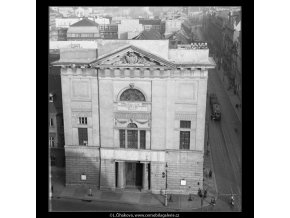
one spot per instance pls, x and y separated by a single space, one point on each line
165 175
202 193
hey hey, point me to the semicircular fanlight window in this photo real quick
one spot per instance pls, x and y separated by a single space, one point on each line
132 95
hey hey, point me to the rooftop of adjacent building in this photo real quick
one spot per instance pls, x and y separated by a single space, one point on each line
184 54
85 22
150 21
149 35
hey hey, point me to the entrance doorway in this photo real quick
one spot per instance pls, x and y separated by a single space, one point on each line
133 175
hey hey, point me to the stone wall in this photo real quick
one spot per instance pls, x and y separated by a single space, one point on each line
108 174
81 160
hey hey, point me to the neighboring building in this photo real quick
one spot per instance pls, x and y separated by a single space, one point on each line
172 26
178 38
151 24
65 22
102 21
237 67
58 34
53 34
108 31
134 109
52 23
149 35
129 25
84 30
56 129
66 11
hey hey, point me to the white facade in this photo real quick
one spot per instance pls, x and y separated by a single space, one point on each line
169 95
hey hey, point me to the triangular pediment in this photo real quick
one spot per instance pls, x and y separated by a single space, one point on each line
132 56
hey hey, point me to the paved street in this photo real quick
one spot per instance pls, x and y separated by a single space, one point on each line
225 142
225 138
79 205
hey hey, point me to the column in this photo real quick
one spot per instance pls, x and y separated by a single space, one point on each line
138 139
148 146
126 146
145 176
121 166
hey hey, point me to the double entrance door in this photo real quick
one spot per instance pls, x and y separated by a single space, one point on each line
133 175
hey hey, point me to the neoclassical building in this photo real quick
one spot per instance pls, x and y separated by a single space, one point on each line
134 110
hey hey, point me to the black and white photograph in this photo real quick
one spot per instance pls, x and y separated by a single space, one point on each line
145 109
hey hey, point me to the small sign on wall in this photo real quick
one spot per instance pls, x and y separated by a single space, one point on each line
83 177
183 182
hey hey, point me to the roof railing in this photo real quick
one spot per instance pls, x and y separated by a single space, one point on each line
196 45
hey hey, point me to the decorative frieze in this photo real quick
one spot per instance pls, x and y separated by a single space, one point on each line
81 114
135 72
184 116
135 116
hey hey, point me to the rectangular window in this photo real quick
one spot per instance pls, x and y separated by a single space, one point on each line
52 160
50 98
142 139
51 122
132 139
185 124
83 136
51 141
122 138
184 140
83 120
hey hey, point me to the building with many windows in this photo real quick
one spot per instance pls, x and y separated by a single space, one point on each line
108 31
83 30
56 132
133 110
151 24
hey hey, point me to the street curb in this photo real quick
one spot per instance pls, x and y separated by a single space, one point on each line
122 202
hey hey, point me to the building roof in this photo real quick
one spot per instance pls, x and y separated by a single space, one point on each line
158 50
83 29
149 35
150 21
84 22
157 47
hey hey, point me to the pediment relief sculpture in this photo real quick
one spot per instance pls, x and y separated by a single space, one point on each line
133 58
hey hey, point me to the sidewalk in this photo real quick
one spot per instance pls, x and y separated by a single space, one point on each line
233 98
175 202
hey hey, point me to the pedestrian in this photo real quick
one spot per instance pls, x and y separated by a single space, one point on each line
205 193
90 192
210 173
52 189
212 201
199 192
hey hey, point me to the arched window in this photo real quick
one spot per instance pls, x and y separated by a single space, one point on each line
132 136
132 125
132 95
